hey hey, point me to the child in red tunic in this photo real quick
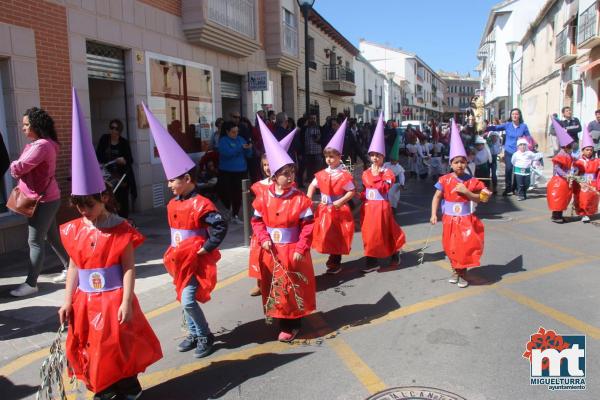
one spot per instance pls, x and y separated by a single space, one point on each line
334 223
558 190
382 236
109 340
463 234
197 229
283 223
586 195
258 188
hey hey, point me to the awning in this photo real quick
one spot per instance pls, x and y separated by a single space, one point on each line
588 66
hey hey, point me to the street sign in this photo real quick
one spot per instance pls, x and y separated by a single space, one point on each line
258 81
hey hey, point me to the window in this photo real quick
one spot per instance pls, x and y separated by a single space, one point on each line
290 33
5 181
311 53
180 95
370 97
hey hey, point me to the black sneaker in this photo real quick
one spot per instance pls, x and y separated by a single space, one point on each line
189 343
371 265
129 388
204 345
395 262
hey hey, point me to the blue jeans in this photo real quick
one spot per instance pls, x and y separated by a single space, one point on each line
494 166
194 316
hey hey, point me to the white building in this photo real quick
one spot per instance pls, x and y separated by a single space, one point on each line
420 81
507 22
368 101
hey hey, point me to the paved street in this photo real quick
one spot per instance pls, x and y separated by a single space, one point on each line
392 328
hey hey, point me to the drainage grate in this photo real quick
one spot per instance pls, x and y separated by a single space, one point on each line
158 195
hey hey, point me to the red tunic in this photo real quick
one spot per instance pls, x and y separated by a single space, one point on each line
462 236
286 211
334 228
558 192
99 349
183 262
382 237
586 198
258 188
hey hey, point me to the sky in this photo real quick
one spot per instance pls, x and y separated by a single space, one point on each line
444 33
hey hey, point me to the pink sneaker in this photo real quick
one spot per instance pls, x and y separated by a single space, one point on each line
288 336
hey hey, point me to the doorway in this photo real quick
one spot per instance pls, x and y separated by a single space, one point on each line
231 94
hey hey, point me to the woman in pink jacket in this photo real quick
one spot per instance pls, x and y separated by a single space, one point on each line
35 169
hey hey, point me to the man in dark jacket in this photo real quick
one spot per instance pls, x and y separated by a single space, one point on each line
571 124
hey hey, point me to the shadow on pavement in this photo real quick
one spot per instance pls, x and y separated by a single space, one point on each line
44 288
39 319
218 378
490 274
12 391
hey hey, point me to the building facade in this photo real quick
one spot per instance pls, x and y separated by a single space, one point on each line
460 90
421 83
507 23
368 102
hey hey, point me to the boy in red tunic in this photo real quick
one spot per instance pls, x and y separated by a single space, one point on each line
382 237
197 229
258 188
558 190
283 224
463 234
586 195
109 340
334 223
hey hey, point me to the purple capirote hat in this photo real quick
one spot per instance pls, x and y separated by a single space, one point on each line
378 142
174 159
286 142
564 139
337 141
276 155
86 177
586 140
457 149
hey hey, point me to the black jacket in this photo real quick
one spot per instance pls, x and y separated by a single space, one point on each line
573 127
4 160
104 155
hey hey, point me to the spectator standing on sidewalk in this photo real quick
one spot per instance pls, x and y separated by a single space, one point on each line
572 126
233 167
594 129
310 148
513 129
36 169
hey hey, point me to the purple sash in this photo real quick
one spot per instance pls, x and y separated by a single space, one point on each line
456 209
100 279
284 235
326 199
373 194
589 177
179 235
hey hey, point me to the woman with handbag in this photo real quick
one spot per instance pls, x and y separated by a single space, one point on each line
37 195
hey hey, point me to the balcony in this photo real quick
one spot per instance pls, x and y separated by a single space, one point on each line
227 26
281 37
565 51
339 80
588 35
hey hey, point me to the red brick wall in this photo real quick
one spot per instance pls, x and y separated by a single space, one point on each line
49 22
170 6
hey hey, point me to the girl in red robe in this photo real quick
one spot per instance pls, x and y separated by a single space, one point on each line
558 190
382 236
258 188
283 223
586 195
463 234
109 340
334 223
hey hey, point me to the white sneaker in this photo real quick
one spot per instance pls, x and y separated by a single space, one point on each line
585 219
24 290
236 220
61 278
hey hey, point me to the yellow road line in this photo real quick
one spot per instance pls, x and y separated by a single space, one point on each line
357 366
23 361
531 219
560 316
541 242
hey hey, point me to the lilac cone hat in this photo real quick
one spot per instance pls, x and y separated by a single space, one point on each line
174 159
564 139
276 155
286 142
86 177
457 149
337 141
378 142
586 141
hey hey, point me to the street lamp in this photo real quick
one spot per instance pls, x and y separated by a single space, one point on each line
512 48
306 6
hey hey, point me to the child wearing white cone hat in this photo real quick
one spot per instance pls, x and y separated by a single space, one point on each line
522 159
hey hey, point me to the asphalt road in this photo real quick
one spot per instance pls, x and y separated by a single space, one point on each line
403 327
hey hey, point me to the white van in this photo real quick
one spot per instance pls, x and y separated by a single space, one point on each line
415 124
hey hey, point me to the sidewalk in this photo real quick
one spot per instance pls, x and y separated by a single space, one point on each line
29 324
